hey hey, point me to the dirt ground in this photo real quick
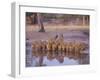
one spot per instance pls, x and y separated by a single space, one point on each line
67 31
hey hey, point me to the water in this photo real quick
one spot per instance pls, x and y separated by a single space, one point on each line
52 58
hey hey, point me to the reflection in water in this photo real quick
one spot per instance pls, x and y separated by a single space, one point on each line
56 58
44 53
50 58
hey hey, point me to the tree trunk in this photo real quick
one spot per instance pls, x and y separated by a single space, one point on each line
34 18
83 20
40 22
